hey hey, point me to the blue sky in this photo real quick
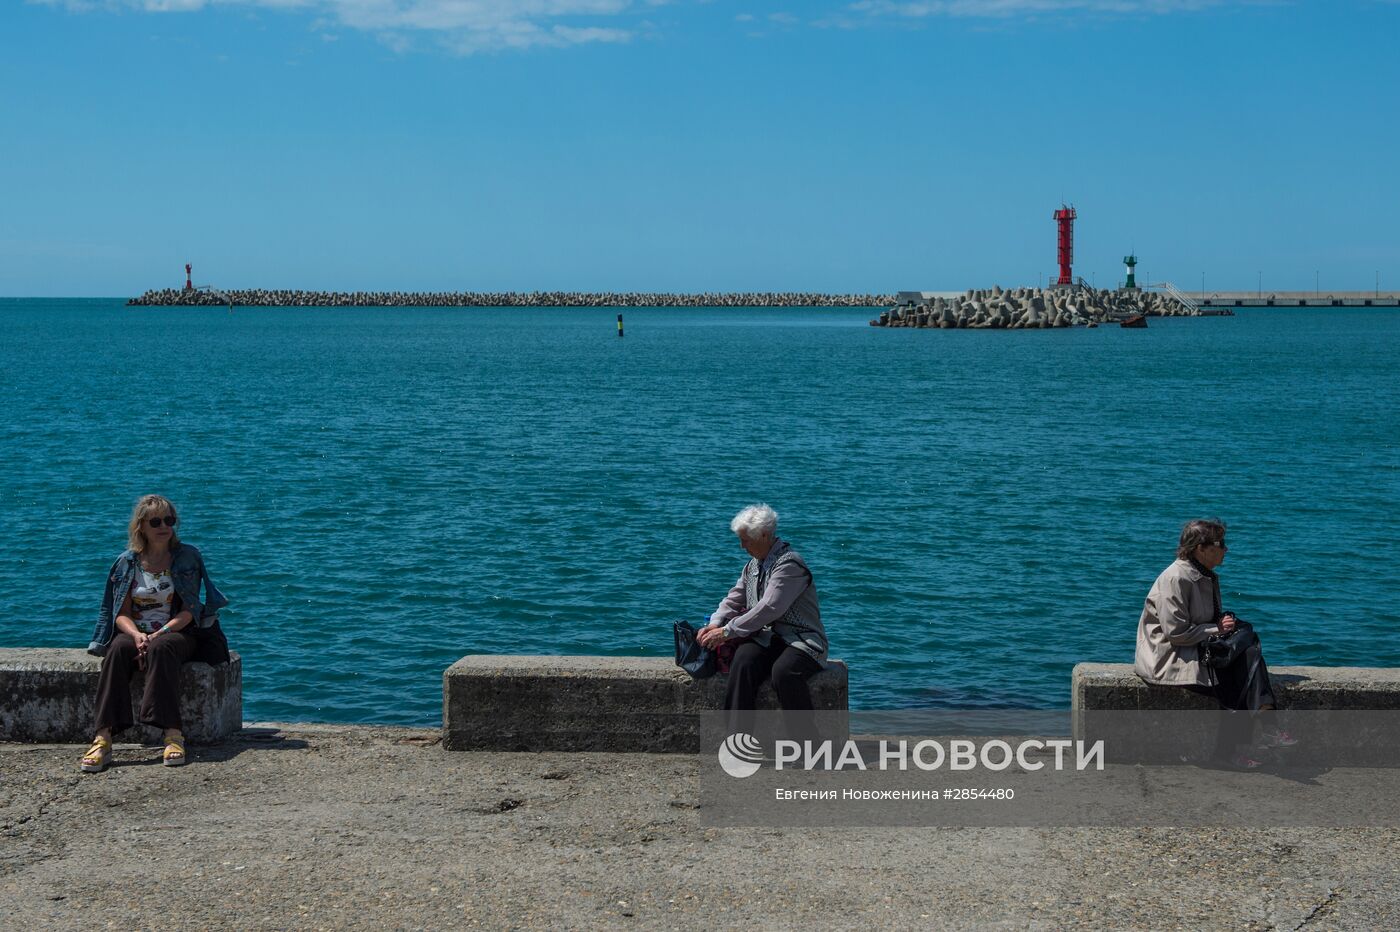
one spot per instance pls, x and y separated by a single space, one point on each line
724 145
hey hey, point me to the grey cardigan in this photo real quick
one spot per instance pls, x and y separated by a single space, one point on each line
776 597
1182 610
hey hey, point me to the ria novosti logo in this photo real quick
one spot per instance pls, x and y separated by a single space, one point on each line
740 755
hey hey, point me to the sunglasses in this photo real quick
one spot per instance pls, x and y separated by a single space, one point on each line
1220 544
157 522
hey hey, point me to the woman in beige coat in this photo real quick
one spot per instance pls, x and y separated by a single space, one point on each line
1183 610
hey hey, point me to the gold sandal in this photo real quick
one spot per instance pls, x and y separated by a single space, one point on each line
98 757
174 755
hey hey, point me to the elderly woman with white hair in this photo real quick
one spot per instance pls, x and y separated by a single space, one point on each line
774 609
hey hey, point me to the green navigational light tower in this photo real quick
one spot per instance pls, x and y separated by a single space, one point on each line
1131 283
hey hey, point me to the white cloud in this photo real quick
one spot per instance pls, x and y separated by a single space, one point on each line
576 35
916 9
465 26
471 26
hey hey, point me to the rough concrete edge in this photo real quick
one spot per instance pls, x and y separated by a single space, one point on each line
223 717
567 665
678 694
1388 675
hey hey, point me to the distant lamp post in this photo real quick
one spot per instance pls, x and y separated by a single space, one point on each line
1317 289
1261 284
1203 286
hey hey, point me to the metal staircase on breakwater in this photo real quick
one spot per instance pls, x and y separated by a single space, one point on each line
216 292
1175 294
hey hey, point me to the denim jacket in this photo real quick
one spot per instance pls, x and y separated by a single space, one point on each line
186 570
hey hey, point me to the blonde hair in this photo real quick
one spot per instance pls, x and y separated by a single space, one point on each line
149 506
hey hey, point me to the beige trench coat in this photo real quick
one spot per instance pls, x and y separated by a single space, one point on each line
1178 615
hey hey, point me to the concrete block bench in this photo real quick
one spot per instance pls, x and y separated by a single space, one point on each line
48 695
1099 690
1115 687
543 703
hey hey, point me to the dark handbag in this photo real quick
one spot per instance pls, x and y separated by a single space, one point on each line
698 661
1221 650
210 644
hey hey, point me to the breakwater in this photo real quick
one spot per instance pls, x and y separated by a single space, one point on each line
1031 308
261 297
1375 298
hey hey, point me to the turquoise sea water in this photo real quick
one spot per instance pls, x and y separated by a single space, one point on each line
380 491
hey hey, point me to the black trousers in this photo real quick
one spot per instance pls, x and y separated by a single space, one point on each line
160 700
1242 689
789 669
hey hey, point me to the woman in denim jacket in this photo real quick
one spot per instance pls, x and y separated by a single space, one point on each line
152 618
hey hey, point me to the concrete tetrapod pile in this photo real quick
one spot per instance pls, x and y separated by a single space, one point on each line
1031 308
262 297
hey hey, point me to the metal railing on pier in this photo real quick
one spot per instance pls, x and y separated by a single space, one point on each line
1175 294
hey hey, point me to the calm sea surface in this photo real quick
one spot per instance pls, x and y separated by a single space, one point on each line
380 491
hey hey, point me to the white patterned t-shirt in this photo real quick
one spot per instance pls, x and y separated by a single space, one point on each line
151 598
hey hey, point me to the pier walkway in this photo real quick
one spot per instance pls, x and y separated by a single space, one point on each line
345 827
1219 299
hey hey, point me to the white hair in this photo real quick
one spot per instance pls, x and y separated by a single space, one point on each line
755 521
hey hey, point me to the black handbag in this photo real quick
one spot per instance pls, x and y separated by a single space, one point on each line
210 644
698 661
1221 650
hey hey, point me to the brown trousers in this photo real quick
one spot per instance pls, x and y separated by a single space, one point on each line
160 701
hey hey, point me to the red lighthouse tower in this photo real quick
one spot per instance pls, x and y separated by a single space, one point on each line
189 283
1064 219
